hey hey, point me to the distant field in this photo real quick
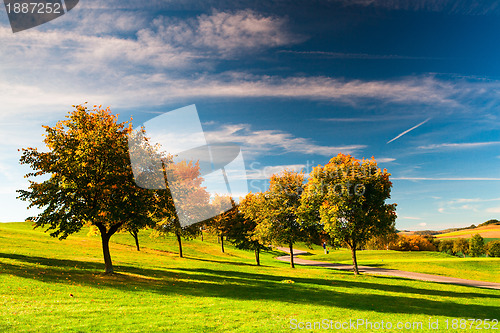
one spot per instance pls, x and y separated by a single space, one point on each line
483 269
47 285
488 231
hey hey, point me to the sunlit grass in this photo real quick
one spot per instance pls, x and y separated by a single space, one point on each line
483 269
47 285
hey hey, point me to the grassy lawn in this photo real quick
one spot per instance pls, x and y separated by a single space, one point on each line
47 285
483 269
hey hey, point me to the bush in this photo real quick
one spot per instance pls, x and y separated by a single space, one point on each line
476 245
493 249
411 243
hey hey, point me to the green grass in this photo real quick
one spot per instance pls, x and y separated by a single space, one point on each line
47 285
482 269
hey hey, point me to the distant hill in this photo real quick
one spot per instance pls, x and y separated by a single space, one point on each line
488 229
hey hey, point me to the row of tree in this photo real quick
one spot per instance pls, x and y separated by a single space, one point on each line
475 246
89 181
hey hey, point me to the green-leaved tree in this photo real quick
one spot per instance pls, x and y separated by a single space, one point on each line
476 245
347 196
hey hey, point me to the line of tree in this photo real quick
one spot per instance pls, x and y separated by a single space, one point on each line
90 182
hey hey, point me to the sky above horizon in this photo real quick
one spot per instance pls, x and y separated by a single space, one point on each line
414 83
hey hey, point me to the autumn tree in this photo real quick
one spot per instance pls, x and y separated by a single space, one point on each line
493 249
90 181
223 219
275 212
191 204
476 245
242 232
347 196
446 246
461 245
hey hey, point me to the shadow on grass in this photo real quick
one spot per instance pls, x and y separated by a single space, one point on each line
378 294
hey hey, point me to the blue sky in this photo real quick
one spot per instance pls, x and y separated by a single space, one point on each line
416 84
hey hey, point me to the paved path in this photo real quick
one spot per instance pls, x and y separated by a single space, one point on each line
386 271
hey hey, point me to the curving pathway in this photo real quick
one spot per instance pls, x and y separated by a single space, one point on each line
386 271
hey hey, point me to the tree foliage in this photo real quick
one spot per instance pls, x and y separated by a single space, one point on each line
348 197
275 211
90 179
461 245
186 177
446 246
493 248
411 243
476 246
223 220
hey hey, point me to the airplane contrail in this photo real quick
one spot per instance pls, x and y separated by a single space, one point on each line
409 130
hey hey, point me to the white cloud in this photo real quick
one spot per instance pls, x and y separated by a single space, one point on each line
459 145
385 159
226 33
493 210
265 141
423 224
268 171
470 7
446 178
409 217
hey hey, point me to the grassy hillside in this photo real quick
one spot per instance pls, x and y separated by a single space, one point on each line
438 263
488 231
47 285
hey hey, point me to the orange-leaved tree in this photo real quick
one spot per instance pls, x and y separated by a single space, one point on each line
90 178
183 215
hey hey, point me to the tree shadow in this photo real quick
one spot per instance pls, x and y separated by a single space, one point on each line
379 294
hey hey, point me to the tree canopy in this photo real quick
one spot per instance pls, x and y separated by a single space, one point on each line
90 179
275 211
347 196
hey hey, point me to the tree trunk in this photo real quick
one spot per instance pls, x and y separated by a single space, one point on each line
354 260
178 235
222 242
136 237
201 230
291 255
135 234
105 252
105 236
257 256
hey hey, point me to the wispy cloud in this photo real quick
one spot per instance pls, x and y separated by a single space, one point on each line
408 130
459 145
409 217
363 56
266 172
447 178
470 7
265 141
493 210
472 204
385 159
